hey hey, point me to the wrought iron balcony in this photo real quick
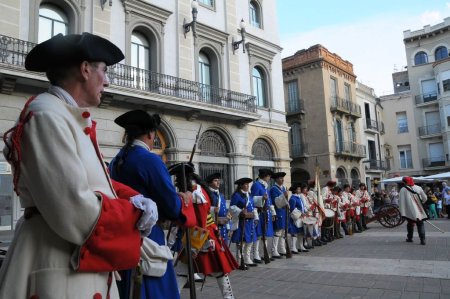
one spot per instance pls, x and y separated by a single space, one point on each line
376 164
299 150
434 162
345 106
426 98
350 149
297 106
430 130
371 124
13 52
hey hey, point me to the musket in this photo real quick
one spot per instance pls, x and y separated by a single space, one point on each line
242 265
288 249
195 144
434 226
263 237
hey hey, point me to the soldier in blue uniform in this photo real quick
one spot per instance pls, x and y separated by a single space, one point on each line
279 195
265 209
219 205
297 208
245 218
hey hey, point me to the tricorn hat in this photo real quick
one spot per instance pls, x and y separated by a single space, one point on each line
66 50
138 120
264 172
177 169
243 181
278 175
294 187
212 177
331 183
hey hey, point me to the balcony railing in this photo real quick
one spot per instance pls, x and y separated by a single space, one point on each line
13 52
345 106
299 150
296 106
434 162
430 130
371 124
351 149
425 98
376 165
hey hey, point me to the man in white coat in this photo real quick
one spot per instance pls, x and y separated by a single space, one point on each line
410 203
79 226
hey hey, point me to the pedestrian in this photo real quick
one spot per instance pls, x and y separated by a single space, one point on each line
431 203
280 197
438 195
213 258
136 166
245 218
265 208
446 201
75 232
411 201
393 195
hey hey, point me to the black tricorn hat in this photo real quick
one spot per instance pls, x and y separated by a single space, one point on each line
66 50
243 181
278 175
294 187
212 177
264 172
138 120
177 169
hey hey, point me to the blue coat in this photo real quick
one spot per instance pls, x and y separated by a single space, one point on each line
258 189
146 173
280 222
239 199
295 202
223 211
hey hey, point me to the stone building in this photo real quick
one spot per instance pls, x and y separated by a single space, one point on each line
323 114
213 75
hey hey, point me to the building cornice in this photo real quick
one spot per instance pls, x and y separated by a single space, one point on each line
267 44
146 10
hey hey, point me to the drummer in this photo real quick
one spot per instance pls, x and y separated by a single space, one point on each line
344 206
364 199
328 197
336 205
309 221
355 211
297 211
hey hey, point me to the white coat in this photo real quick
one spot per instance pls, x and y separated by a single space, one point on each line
409 203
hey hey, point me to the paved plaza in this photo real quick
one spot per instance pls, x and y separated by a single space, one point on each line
375 264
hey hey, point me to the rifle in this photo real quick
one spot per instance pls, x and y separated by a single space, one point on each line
242 265
263 237
288 249
195 144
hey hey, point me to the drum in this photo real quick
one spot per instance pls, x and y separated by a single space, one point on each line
310 220
328 222
329 213
296 214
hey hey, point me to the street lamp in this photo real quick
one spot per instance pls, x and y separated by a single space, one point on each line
236 44
187 26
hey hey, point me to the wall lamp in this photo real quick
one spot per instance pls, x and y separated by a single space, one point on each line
242 41
187 26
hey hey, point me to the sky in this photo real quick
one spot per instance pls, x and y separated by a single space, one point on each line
368 33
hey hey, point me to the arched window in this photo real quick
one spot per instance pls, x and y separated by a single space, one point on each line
354 174
341 176
262 150
351 132
204 68
339 136
52 21
420 58
440 53
140 51
259 87
212 144
255 14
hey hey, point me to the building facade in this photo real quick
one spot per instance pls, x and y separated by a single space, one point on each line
372 131
322 112
201 76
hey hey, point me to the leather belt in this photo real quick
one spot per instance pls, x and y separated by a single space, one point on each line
30 212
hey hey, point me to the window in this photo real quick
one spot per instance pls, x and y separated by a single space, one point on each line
355 178
347 92
204 69
447 114
333 90
259 87
293 98
429 92
341 176
420 58
440 53
296 140
402 122
52 21
262 150
140 51
6 201
405 157
207 2
351 132
255 14
339 136
446 85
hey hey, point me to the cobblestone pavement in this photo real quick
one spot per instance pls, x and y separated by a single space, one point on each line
375 264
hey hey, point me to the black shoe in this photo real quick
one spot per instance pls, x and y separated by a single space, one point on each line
294 252
317 243
257 261
306 250
272 259
275 257
358 231
251 265
422 241
365 227
282 254
409 240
